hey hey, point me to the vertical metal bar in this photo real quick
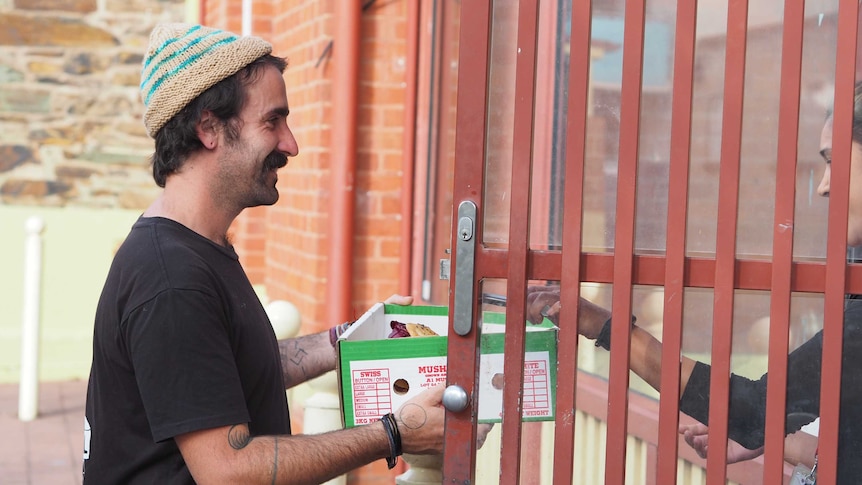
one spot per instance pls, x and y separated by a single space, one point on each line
836 241
408 164
573 193
519 228
459 464
677 213
782 239
633 38
725 247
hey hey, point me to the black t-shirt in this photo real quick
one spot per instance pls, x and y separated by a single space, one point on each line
181 343
747 414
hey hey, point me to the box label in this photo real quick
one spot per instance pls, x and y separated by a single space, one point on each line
537 392
371 395
536 400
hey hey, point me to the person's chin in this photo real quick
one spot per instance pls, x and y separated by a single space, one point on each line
272 197
269 198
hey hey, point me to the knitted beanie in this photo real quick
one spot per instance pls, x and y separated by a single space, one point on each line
183 61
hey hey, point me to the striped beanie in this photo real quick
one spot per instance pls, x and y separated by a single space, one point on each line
183 61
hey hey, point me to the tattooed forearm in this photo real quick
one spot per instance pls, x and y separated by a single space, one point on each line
306 357
238 436
293 353
275 462
293 359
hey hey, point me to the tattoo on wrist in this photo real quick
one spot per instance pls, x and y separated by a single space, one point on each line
415 419
238 437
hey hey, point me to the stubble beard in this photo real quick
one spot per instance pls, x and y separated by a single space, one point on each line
260 191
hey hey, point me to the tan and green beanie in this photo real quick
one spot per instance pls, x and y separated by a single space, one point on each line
184 60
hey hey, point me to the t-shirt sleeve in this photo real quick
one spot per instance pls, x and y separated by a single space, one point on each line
747 405
179 345
747 415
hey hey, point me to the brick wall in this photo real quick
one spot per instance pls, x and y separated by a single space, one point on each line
285 246
296 242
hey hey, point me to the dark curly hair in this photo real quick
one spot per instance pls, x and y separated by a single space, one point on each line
178 138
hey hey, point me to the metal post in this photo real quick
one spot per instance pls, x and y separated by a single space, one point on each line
28 390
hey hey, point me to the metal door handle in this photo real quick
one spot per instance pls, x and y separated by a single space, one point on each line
465 252
455 399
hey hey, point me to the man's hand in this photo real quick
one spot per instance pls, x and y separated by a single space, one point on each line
697 436
420 422
544 302
399 300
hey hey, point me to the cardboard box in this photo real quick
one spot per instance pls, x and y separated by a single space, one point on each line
377 374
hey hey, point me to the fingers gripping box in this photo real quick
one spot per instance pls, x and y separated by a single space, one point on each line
378 374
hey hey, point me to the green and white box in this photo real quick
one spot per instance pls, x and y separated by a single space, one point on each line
377 374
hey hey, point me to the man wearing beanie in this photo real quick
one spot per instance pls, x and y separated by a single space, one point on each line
188 381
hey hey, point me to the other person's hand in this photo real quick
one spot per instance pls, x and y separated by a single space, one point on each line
697 436
544 302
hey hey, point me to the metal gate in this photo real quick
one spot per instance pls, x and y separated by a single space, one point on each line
701 204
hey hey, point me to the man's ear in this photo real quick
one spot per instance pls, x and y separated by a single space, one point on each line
207 129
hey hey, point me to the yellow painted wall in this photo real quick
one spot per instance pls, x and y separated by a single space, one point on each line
78 245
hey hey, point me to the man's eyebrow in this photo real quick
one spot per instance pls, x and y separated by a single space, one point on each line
282 111
826 153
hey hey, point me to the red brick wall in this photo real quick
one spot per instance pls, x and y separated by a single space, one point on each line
297 239
285 246
297 225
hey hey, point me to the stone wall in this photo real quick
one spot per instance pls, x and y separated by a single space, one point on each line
70 112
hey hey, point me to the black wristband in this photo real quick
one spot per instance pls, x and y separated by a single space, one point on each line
394 436
604 338
397 433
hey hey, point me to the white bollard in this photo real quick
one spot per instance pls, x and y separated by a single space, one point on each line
28 388
323 411
284 318
424 470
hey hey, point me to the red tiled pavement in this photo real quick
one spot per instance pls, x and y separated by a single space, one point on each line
49 449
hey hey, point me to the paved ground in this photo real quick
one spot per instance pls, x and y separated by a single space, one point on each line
49 449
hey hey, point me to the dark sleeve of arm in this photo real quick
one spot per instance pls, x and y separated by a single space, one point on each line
746 420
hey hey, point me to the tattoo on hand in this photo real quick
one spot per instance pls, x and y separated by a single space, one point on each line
415 419
238 437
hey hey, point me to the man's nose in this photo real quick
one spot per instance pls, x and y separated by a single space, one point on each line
287 143
823 188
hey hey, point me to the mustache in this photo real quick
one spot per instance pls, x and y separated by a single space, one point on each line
275 160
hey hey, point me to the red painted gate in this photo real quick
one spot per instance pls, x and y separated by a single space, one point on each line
659 158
